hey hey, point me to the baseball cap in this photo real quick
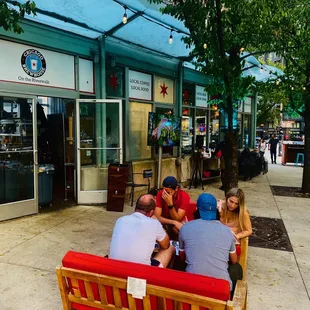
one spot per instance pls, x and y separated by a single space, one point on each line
170 182
207 206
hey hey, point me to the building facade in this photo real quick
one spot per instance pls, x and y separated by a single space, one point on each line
70 106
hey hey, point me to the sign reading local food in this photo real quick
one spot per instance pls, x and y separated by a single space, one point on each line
201 97
25 64
140 85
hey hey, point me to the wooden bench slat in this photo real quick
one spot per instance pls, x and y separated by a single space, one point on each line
161 301
131 302
63 288
117 297
194 307
103 294
89 291
75 287
147 303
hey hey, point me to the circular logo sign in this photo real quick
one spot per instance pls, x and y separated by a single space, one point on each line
33 63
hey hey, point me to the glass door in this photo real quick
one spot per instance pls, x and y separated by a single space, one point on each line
99 143
18 156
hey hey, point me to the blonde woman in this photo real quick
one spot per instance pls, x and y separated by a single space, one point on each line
235 215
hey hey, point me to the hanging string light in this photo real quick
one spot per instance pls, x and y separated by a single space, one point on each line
125 19
277 82
170 38
261 69
205 46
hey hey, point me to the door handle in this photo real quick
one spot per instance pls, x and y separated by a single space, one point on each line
36 157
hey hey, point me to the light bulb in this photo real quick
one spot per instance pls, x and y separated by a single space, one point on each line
170 38
292 88
277 82
304 88
261 69
125 19
205 46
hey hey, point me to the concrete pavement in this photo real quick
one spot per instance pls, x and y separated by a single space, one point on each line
31 247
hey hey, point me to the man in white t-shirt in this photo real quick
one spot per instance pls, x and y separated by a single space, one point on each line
134 236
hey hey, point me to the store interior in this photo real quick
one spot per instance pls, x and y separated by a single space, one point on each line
55 144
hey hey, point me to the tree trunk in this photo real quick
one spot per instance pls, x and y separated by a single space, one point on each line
231 146
231 151
306 171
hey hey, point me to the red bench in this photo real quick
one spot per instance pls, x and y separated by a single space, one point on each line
89 282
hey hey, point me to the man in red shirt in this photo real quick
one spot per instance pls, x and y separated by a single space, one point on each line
171 204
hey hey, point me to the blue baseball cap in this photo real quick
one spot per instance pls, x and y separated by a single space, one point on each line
170 182
207 206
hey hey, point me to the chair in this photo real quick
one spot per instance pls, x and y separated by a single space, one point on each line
299 156
147 174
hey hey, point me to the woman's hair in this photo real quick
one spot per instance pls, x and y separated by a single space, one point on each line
240 211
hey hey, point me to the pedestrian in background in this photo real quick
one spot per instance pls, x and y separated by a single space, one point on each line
272 146
262 148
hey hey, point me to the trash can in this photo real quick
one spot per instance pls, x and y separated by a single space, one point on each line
117 182
45 186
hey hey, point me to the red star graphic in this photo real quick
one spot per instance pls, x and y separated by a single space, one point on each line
164 89
114 81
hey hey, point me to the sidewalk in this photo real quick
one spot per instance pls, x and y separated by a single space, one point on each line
31 247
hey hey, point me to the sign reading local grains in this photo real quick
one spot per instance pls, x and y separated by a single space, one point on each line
140 85
20 63
201 97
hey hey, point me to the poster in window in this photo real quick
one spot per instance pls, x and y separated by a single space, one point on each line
163 90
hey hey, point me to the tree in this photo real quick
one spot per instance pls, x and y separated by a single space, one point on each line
12 13
289 35
271 100
219 33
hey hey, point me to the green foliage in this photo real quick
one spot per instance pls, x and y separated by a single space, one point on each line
219 32
271 97
12 13
289 35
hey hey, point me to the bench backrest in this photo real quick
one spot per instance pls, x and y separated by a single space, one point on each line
88 280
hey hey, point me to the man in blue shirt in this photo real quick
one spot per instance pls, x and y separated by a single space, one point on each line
208 245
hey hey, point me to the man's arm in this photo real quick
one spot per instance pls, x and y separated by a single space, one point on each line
232 252
165 243
233 257
177 215
163 220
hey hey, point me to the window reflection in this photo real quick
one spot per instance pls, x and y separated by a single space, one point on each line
214 124
138 124
187 130
202 124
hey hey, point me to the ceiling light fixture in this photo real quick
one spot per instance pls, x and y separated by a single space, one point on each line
125 19
171 38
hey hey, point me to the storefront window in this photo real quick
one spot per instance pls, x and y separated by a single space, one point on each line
187 130
188 94
202 125
167 150
115 82
138 124
214 125
246 130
